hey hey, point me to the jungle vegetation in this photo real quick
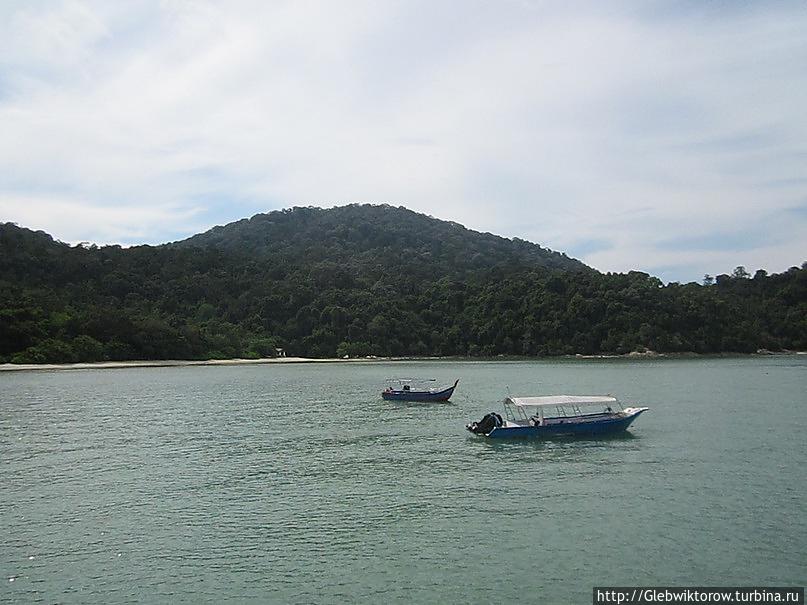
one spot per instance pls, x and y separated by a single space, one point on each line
366 280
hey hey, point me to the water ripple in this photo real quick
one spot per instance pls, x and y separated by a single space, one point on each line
298 484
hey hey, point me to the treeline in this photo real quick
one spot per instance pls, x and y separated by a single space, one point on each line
365 280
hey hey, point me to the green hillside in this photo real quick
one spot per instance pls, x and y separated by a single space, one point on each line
364 280
376 240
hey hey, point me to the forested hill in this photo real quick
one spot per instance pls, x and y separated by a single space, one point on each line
378 239
365 280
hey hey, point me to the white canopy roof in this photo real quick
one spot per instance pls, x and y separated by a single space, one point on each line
561 400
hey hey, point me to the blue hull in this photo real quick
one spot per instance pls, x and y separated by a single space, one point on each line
401 395
600 427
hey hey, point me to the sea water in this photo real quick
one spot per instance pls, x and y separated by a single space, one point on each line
297 483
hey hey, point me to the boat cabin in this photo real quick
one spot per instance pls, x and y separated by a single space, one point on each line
410 384
559 409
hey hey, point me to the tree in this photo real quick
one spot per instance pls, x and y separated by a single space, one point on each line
740 273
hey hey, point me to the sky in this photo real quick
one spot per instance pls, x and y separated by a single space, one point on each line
662 136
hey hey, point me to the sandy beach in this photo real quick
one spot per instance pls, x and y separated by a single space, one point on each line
103 365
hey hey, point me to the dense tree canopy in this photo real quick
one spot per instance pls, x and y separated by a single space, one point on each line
362 280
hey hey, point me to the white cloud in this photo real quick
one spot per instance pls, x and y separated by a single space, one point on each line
559 123
77 221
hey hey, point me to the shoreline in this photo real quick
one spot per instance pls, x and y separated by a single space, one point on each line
167 363
171 363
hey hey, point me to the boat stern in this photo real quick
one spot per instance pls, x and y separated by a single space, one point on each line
487 425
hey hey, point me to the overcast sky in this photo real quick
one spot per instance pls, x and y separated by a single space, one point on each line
664 136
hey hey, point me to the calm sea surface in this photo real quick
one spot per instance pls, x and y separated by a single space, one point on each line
298 484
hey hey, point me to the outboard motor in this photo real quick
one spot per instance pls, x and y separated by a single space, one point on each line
486 425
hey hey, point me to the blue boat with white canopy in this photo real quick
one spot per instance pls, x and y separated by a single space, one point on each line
556 416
